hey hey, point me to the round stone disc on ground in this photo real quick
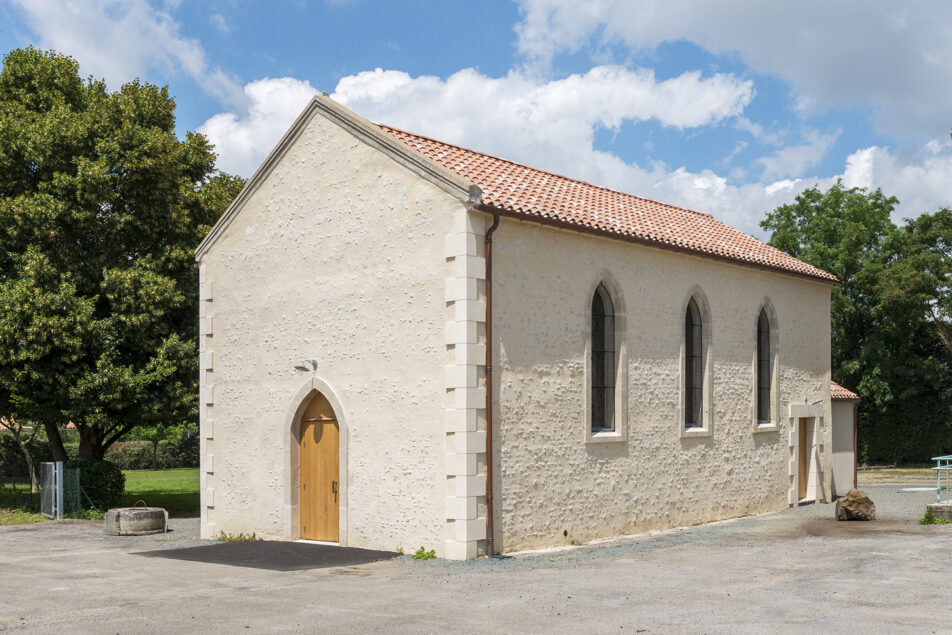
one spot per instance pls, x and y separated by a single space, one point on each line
135 521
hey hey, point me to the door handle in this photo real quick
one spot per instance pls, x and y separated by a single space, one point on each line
334 486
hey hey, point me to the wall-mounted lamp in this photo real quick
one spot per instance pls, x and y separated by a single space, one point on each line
307 366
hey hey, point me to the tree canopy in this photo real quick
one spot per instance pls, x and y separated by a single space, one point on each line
101 208
891 329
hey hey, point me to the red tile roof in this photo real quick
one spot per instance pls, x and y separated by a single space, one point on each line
837 392
519 190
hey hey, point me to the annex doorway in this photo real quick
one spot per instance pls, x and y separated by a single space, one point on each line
806 472
319 482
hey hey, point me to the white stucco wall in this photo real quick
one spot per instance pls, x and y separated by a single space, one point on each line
550 486
842 447
339 257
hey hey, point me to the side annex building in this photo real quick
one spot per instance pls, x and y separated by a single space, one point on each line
374 301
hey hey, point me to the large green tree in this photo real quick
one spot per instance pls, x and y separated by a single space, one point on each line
891 337
101 207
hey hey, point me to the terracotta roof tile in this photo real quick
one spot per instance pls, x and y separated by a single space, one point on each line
838 392
524 191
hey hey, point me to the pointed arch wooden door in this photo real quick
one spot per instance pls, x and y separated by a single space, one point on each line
319 495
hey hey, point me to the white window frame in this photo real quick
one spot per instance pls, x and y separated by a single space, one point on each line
706 429
773 425
620 432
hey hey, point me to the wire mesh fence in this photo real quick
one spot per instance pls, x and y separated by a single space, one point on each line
49 484
60 493
57 492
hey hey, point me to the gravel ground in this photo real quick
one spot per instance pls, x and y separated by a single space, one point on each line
796 570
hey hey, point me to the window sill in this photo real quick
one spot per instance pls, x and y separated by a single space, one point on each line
605 436
687 433
766 427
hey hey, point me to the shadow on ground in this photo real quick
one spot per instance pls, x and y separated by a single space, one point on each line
274 555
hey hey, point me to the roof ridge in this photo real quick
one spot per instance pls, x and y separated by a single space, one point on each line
524 190
549 172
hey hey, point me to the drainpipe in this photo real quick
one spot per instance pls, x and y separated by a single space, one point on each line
490 551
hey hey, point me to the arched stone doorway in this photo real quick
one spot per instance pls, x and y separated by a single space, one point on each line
319 471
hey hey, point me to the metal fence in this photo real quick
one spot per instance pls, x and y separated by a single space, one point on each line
59 490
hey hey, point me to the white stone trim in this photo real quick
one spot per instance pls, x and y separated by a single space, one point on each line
296 407
707 408
464 382
620 432
460 419
206 391
796 414
367 132
775 416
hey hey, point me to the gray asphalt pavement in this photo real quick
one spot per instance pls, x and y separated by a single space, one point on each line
796 570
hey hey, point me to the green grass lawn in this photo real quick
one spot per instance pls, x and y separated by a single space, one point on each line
19 517
18 505
175 490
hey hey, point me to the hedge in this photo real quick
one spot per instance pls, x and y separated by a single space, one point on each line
102 481
127 455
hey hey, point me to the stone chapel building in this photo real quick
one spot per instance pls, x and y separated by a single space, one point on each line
375 301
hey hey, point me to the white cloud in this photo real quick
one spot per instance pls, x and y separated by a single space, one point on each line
243 141
795 160
123 40
514 116
548 124
892 56
552 125
219 21
920 181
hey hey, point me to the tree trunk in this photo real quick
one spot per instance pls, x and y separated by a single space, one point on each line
155 455
91 442
34 486
56 442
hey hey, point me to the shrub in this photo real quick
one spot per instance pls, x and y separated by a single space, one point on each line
184 451
423 554
102 481
137 455
132 455
931 519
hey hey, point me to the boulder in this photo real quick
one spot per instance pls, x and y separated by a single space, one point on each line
855 506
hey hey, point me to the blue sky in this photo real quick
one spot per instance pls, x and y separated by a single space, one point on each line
730 107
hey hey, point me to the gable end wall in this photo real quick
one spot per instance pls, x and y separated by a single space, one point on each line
340 255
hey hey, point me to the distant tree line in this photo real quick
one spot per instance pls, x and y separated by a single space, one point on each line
891 315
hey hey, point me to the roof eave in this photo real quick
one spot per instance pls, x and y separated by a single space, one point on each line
594 231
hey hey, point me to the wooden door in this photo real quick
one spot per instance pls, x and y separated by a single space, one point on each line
803 452
320 473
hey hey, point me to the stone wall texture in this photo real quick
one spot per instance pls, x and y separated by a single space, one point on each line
842 447
338 257
551 487
345 256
